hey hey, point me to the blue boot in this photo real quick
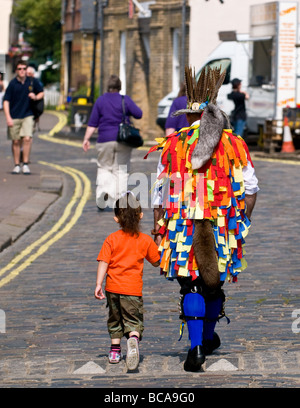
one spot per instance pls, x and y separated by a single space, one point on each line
194 312
211 340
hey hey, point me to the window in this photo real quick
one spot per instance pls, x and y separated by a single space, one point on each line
260 67
123 62
176 60
224 63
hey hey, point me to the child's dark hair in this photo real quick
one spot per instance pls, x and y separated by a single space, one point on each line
128 211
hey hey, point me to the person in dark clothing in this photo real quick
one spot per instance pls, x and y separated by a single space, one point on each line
175 123
238 116
30 72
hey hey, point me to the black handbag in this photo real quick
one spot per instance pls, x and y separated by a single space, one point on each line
127 133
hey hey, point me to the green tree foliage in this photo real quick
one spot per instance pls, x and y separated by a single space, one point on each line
41 22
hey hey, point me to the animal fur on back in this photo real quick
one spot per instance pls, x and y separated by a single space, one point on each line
212 123
205 253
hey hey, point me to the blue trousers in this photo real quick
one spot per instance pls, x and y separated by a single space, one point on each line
239 126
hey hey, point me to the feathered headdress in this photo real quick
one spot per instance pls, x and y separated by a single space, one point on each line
202 92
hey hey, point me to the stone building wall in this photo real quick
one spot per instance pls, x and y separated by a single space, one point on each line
147 80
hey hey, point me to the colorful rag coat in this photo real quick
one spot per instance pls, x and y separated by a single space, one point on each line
215 191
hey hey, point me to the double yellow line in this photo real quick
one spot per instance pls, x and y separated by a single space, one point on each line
62 122
69 218
40 246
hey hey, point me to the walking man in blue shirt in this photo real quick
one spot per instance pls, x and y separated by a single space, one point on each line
17 105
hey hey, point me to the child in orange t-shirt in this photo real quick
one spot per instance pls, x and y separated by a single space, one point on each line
121 260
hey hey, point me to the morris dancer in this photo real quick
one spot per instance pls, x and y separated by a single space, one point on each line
205 193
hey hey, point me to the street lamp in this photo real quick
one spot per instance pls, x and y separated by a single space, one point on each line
96 5
183 34
103 4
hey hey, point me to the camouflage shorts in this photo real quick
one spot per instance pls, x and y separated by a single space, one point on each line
126 314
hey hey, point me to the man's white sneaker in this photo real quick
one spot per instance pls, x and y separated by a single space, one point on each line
16 170
132 356
26 169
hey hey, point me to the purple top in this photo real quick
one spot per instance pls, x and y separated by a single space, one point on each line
177 122
107 114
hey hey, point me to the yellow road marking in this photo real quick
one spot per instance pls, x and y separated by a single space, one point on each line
49 242
62 141
55 228
62 122
275 160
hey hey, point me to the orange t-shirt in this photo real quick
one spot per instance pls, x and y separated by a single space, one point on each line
125 256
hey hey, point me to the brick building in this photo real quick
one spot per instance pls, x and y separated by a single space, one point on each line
142 43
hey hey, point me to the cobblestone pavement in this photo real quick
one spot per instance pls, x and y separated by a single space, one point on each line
55 331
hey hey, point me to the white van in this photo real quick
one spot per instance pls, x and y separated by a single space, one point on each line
235 57
266 61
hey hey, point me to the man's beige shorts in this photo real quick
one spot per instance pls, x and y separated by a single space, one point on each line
21 128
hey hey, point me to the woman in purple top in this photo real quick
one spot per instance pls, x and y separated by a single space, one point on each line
113 158
175 123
